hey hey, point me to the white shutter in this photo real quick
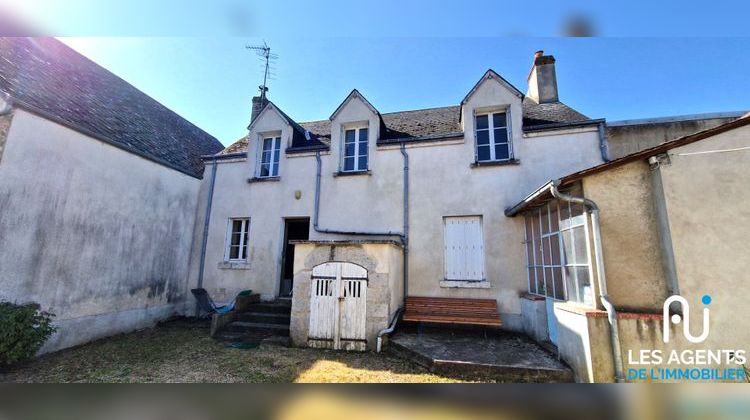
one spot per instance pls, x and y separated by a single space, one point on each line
464 249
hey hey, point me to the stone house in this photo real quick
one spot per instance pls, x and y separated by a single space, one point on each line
416 198
99 187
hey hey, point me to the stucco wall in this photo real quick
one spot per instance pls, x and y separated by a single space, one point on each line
626 139
635 278
707 201
94 234
442 183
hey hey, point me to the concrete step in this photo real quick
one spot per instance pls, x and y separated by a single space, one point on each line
264 317
256 327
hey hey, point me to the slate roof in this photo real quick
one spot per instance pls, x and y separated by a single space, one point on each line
49 78
434 122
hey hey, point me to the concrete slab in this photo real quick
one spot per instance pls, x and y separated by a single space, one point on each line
493 355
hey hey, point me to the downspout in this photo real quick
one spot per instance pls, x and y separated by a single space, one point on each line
206 221
332 231
662 224
614 331
405 243
603 146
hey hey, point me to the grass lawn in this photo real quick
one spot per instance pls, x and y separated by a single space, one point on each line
183 352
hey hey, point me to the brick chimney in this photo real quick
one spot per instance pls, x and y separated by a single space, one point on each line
258 104
542 79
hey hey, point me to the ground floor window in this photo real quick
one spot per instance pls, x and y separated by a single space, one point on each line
557 252
464 248
236 242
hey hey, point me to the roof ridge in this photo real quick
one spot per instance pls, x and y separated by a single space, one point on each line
393 112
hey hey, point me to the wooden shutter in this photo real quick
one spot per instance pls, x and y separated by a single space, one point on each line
464 249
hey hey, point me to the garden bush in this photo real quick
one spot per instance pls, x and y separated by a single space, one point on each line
23 330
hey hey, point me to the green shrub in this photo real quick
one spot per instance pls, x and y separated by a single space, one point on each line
23 330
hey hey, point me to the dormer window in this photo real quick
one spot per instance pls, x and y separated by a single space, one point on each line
269 157
355 149
493 141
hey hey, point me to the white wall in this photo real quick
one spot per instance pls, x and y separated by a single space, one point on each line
94 234
442 183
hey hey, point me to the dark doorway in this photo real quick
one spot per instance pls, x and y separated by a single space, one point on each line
294 230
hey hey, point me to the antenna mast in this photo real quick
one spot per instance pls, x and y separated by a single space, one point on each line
265 54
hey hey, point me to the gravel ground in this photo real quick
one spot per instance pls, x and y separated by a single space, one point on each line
182 351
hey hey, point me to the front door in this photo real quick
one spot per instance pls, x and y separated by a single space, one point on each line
294 229
338 305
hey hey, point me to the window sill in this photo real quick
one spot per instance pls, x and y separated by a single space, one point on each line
352 173
496 163
466 284
234 265
263 179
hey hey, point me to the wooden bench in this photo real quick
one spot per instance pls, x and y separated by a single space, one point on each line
452 311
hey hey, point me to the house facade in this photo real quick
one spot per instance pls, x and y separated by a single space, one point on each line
431 184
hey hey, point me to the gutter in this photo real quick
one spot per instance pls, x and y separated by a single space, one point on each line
614 331
554 126
206 221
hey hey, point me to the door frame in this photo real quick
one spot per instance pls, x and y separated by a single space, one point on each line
284 239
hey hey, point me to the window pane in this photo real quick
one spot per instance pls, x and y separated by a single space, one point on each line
276 156
234 252
362 163
363 135
585 293
548 279
499 120
502 151
564 215
553 217
555 245
570 282
349 149
529 241
483 137
482 122
559 287
275 169
349 164
567 239
264 170
501 135
546 251
277 144
483 153
236 226
265 157
545 219
539 281
579 236
349 136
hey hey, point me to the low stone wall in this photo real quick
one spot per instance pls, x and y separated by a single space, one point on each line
534 317
383 263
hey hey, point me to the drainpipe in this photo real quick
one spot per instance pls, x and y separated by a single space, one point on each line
206 220
405 237
603 146
614 331
662 224
390 328
338 232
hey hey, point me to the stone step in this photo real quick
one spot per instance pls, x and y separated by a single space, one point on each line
271 307
254 327
264 317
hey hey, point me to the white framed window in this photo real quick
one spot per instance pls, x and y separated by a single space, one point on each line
464 248
355 149
235 248
270 151
557 252
492 135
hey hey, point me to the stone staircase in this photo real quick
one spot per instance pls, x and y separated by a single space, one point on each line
258 322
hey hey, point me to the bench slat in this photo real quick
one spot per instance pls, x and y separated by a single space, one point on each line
452 311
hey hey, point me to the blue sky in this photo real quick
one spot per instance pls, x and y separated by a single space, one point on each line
649 58
210 80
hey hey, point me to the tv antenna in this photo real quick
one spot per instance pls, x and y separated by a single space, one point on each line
265 54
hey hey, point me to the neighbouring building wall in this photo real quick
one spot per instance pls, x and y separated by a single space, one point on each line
632 260
626 138
4 125
707 198
94 234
